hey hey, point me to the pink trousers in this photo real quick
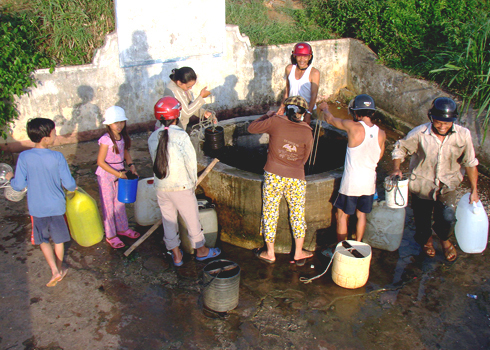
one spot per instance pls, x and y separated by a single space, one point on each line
113 211
185 203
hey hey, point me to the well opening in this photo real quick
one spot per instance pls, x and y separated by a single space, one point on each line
235 184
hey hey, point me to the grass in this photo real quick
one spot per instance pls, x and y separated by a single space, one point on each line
468 72
71 30
289 25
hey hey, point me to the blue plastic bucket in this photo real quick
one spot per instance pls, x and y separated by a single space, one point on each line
126 193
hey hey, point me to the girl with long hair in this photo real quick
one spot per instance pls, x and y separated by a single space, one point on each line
175 169
114 148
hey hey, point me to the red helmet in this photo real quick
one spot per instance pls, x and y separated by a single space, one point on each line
167 108
302 49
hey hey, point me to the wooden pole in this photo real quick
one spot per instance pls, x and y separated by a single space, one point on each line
159 222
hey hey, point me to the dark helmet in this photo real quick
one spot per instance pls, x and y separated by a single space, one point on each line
443 109
361 102
167 108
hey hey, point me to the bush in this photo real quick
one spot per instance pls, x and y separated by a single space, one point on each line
468 71
401 32
18 59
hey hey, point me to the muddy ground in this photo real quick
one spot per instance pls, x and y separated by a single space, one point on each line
109 301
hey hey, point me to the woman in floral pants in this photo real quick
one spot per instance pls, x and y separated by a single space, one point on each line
290 141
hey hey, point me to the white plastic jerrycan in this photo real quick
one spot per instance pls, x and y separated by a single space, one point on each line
471 229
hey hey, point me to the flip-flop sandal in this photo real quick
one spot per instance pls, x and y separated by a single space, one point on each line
213 253
450 251
181 262
302 262
429 250
129 233
115 242
257 252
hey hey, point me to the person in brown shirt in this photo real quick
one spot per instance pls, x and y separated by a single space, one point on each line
290 142
439 150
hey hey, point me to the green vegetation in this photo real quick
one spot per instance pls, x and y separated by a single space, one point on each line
288 25
19 57
44 33
443 40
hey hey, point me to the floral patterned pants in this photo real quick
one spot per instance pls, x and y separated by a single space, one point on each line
294 190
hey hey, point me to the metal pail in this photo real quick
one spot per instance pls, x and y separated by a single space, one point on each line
214 138
221 282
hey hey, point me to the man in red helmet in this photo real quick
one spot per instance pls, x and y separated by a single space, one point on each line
302 79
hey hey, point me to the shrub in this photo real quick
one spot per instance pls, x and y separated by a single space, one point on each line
18 59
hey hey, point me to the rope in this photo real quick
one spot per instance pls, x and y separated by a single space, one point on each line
202 125
391 183
316 136
309 280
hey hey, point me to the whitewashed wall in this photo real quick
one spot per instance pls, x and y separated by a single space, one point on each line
244 76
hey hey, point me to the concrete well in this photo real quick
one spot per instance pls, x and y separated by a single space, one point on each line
237 193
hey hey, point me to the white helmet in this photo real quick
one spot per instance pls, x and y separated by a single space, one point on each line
114 114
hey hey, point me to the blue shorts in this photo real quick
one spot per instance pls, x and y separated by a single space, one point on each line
50 226
349 204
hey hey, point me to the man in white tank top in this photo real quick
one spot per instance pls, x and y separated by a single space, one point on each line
365 147
302 79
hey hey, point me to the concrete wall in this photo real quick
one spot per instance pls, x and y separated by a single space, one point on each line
244 77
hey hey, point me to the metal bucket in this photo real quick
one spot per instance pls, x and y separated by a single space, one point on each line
13 195
214 139
221 281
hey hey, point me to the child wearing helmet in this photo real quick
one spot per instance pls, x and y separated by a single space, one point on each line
302 79
181 82
290 142
175 169
114 148
439 150
365 147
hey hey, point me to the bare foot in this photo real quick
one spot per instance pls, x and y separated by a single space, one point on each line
54 280
304 255
63 274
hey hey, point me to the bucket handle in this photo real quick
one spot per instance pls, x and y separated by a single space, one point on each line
392 184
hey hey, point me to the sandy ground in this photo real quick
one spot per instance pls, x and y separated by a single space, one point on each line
109 301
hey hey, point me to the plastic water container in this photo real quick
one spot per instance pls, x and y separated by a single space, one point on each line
146 209
384 227
209 222
127 190
471 228
396 192
347 270
83 218
4 169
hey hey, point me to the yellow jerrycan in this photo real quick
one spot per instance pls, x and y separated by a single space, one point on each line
83 218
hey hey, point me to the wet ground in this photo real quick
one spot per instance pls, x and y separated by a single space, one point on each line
109 301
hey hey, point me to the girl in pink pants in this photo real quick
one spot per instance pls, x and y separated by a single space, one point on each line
113 151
